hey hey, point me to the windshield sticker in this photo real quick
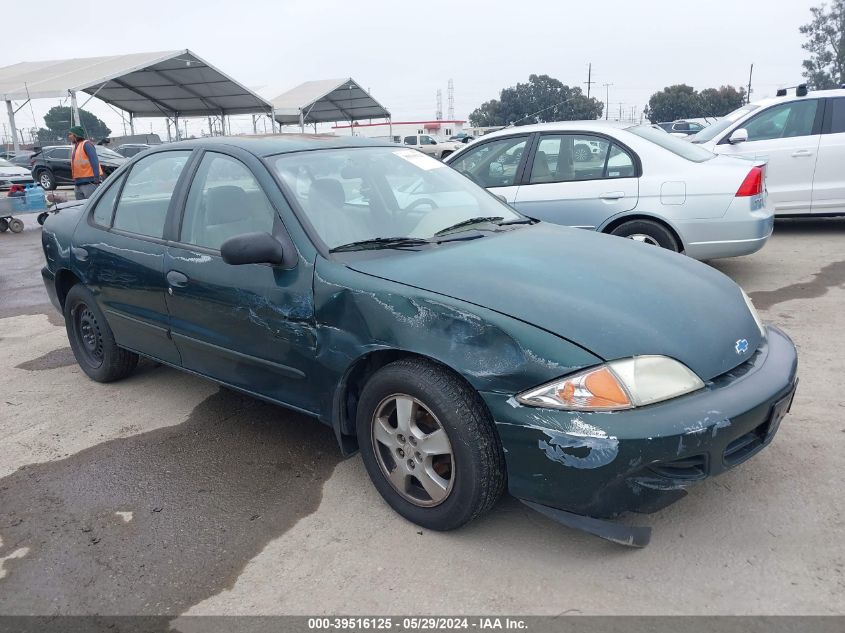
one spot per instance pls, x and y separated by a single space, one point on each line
418 159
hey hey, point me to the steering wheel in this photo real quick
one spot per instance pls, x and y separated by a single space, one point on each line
421 201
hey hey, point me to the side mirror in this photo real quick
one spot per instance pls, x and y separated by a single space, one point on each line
738 136
431 141
252 248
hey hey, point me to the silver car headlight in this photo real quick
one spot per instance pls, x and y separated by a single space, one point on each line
617 385
754 314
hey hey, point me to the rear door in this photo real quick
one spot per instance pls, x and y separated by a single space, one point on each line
787 136
829 180
120 251
496 164
578 180
58 160
250 325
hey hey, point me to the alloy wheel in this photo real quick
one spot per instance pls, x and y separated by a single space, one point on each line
413 450
645 239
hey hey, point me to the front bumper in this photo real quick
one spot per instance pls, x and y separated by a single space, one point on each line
604 464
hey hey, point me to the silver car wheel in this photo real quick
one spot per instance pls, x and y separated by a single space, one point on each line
645 239
413 450
45 181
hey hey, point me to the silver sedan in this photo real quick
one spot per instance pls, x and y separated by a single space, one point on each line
635 182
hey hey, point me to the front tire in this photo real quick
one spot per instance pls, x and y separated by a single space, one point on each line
46 180
4 225
647 232
429 444
92 340
16 225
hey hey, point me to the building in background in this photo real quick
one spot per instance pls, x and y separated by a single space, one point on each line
441 129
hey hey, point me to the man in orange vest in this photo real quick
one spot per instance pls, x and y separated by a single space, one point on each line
84 163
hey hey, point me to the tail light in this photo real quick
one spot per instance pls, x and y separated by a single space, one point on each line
753 183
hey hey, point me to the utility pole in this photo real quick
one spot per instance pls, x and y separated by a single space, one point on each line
589 81
607 101
748 94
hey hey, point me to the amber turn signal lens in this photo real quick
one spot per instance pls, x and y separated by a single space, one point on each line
597 389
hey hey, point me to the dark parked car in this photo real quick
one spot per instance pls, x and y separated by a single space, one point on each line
682 128
51 165
128 150
459 346
22 158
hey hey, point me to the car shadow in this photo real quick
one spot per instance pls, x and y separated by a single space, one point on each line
156 522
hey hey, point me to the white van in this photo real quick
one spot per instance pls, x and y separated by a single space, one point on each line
801 136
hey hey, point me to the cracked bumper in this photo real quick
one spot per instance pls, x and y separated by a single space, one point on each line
604 464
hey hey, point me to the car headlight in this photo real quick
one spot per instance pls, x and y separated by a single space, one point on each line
754 314
617 385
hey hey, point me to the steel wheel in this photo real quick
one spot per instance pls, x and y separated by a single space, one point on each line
413 450
645 239
16 225
89 335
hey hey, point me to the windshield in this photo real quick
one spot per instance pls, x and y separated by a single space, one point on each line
678 146
714 129
363 193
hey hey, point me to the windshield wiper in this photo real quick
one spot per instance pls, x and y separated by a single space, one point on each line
379 242
465 223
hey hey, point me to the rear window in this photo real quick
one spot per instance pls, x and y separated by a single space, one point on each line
677 146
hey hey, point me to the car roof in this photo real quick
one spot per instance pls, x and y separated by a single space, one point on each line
594 126
268 145
817 94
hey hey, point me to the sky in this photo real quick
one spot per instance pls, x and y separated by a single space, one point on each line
404 51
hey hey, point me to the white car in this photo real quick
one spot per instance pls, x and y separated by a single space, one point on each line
642 184
802 138
13 175
432 146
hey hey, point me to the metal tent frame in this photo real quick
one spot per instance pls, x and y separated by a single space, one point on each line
326 101
169 84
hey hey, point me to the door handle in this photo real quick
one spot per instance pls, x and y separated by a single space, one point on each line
801 153
612 195
177 279
79 253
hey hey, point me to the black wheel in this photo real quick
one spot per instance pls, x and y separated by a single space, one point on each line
46 179
647 232
429 444
15 225
4 225
445 154
42 218
582 153
92 341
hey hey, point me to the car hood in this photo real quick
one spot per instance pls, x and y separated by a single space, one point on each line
14 171
616 298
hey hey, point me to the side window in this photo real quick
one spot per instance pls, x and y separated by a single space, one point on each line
571 157
426 140
837 120
105 205
619 164
786 120
493 164
225 200
60 153
410 140
143 204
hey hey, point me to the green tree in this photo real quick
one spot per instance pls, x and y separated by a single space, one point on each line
58 122
720 101
826 44
674 102
541 99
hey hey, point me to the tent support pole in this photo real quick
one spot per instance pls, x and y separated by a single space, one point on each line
176 127
301 122
11 112
167 122
74 109
132 124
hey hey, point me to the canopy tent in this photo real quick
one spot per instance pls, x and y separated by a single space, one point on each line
160 84
325 101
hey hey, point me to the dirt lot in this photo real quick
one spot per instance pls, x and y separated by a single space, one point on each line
164 494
